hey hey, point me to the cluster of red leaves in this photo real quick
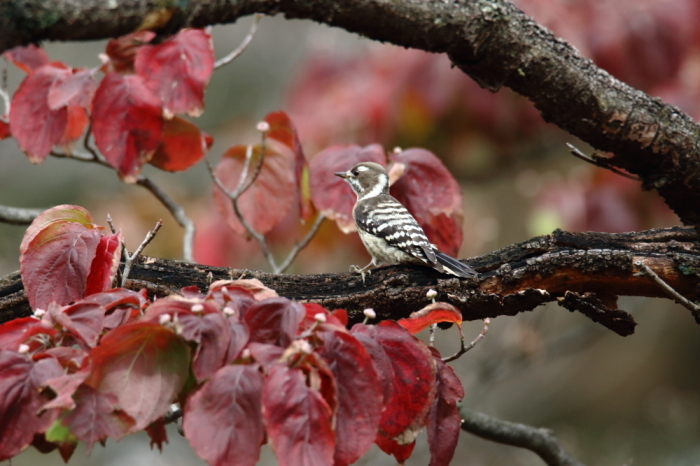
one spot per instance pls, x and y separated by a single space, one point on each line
420 181
131 110
247 367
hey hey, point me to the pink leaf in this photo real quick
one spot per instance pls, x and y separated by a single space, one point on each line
27 58
178 69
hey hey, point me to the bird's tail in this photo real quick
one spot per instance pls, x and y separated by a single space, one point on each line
453 266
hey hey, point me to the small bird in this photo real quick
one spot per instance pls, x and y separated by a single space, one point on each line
388 230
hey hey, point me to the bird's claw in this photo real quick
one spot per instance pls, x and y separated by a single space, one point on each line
362 272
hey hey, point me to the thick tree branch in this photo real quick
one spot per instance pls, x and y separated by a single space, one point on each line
585 272
490 40
540 441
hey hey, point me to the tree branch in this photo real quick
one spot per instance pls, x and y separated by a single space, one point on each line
585 272
540 441
491 40
17 215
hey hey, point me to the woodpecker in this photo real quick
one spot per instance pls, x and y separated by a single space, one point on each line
388 230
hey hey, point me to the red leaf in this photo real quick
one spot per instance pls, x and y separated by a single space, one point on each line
366 335
312 309
252 285
413 391
121 51
282 129
126 123
265 354
331 195
27 58
178 69
391 447
223 420
21 399
76 89
56 262
65 385
157 433
274 321
444 422
430 192
83 320
104 265
431 314
144 365
33 123
182 146
298 420
359 395
274 187
96 417
77 121
4 130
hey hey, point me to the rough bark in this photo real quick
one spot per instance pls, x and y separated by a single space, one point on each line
585 272
490 40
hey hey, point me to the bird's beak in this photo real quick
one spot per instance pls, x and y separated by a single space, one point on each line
343 175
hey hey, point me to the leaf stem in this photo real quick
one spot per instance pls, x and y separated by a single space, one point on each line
243 45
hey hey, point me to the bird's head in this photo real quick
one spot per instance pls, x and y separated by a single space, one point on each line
367 179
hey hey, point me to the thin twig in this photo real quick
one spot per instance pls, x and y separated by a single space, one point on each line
131 257
538 440
301 244
3 92
599 163
673 294
17 215
241 48
178 213
463 349
125 254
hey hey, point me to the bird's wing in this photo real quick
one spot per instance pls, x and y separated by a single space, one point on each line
385 217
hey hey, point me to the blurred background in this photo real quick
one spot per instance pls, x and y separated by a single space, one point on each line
612 401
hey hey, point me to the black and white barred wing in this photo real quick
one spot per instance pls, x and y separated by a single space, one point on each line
385 217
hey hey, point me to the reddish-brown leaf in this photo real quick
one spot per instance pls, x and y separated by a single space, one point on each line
330 194
157 433
78 120
274 187
430 192
27 58
360 397
212 333
431 314
104 265
182 146
223 420
65 212
178 69
56 263
96 417
84 321
365 334
274 321
33 123
391 447
121 51
144 365
298 419
413 387
21 399
282 129
126 123
265 354
15 332
444 422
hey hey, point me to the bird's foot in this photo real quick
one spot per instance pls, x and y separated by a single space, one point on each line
361 271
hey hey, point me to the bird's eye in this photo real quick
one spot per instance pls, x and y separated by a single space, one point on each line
355 172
